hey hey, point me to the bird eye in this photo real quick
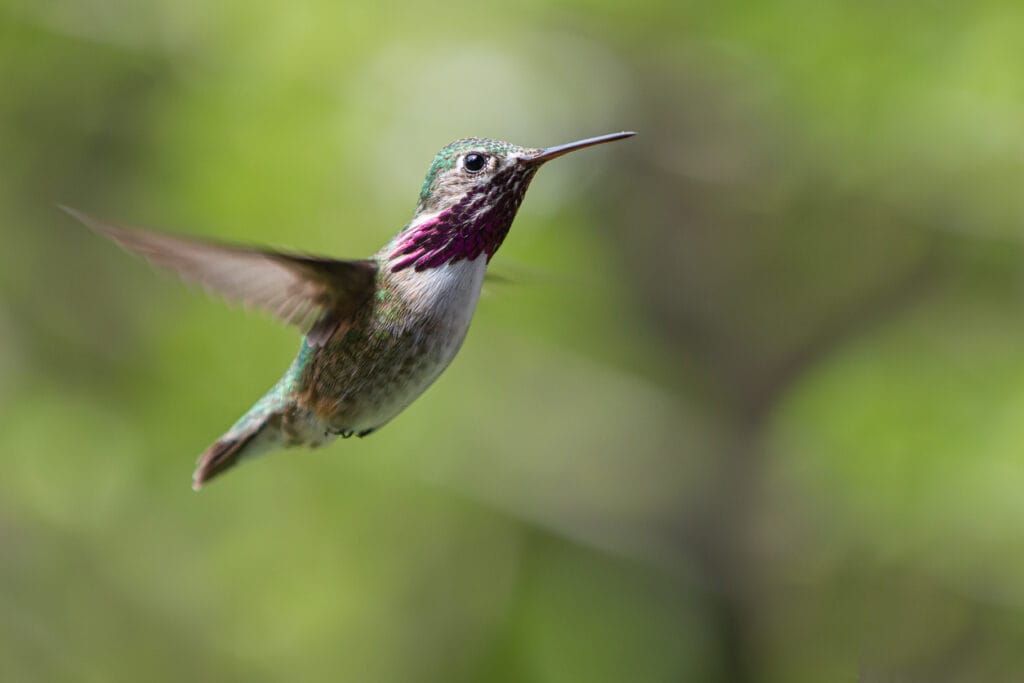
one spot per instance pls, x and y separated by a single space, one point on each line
474 162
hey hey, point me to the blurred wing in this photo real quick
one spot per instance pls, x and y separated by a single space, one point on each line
306 291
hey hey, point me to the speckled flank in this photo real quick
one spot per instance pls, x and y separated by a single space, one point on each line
401 342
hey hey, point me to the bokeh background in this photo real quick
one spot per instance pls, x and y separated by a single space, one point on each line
747 403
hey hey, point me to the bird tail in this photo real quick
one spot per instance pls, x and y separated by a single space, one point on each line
256 433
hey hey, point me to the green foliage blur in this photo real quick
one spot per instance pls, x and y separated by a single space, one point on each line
751 407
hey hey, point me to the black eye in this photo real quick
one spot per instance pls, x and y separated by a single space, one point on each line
474 162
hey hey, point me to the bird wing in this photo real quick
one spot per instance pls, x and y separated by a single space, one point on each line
313 293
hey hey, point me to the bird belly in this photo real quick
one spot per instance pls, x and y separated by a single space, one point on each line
415 329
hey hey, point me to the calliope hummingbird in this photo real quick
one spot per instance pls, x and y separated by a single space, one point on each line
378 331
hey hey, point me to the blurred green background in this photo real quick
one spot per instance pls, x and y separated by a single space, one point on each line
752 408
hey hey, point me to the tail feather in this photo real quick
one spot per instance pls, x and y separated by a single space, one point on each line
220 457
256 432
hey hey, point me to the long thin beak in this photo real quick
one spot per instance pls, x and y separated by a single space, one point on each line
558 150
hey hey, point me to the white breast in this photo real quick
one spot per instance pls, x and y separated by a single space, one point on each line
449 294
449 291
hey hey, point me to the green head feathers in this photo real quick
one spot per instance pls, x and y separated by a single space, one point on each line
449 156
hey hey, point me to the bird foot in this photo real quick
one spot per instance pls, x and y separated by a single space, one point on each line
346 433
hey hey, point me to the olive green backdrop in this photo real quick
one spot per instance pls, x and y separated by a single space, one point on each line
746 405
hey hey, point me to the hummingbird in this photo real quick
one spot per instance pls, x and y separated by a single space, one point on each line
378 331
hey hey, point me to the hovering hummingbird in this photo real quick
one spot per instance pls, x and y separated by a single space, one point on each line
379 331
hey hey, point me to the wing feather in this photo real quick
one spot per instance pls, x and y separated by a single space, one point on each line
306 291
